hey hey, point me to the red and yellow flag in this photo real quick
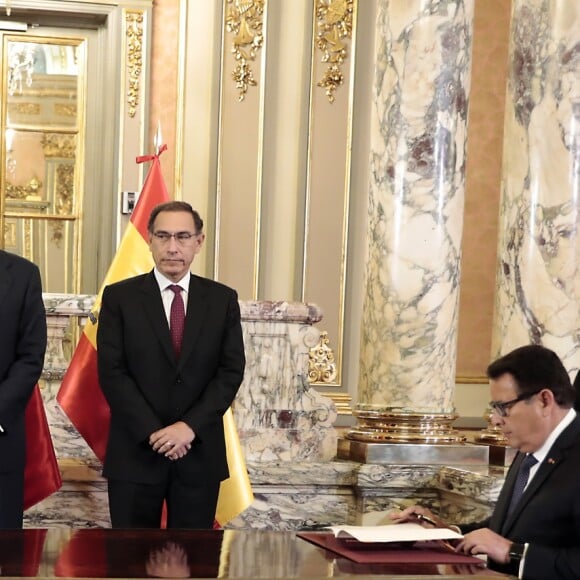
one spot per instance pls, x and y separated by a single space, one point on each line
81 397
41 473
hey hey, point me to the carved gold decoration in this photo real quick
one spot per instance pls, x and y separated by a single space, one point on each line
244 20
10 234
321 363
134 19
334 20
24 108
57 231
392 426
64 193
61 110
29 190
59 145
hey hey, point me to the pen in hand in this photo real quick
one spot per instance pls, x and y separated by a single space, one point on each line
427 519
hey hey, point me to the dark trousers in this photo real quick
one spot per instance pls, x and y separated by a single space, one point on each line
11 499
140 505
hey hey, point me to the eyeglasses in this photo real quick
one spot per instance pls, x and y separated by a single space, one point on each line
181 238
502 408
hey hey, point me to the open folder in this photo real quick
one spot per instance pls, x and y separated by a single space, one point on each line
409 532
391 544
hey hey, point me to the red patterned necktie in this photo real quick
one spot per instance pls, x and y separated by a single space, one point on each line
176 318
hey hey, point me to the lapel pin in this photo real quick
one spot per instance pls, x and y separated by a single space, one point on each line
551 461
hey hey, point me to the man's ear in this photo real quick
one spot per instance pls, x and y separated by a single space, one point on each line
547 397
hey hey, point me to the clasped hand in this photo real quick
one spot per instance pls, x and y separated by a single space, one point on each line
173 441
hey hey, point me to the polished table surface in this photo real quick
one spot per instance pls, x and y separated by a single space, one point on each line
105 553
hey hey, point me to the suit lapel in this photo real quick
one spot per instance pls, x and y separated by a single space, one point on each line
196 312
498 519
153 306
5 277
546 469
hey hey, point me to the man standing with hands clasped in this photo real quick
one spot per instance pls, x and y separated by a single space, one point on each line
22 347
170 360
534 531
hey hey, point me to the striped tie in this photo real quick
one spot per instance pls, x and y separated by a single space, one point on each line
521 480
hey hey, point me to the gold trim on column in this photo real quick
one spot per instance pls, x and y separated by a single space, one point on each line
321 363
341 401
392 426
334 19
492 433
134 32
483 380
245 19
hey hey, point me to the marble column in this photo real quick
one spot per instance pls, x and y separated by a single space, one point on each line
538 274
416 198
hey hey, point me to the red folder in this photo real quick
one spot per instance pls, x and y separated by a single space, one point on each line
386 553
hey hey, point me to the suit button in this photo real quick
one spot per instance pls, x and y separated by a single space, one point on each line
178 381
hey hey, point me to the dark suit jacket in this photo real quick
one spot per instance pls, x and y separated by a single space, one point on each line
22 348
147 388
577 387
548 514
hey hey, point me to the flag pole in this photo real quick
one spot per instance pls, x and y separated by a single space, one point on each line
157 139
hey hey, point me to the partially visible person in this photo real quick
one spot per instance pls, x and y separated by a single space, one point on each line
22 348
170 360
538 536
577 388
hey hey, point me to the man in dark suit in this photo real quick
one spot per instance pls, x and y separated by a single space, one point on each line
577 388
168 390
533 533
22 348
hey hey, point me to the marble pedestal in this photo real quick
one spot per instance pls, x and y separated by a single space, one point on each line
413 453
501 455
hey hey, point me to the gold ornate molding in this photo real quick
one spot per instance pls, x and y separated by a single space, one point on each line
491 434
342 402
393 426
321 362
61 110
134 20
24 108
245 20
27 191
59 145
10 234
334 21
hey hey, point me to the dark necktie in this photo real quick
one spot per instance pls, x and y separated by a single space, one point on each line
521 480
176 318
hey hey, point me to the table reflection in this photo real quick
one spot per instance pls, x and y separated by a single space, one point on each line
105 553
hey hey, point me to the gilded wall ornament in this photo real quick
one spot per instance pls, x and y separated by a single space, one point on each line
59 145
134 20
244 20
30 190
321 362
334 21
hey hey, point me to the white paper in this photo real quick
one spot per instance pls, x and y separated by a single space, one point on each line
408 532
